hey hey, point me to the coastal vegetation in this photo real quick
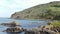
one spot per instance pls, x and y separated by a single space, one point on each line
43 11
55 23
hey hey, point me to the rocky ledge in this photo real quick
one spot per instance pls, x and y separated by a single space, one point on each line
11 24
13 27
48 29
14 30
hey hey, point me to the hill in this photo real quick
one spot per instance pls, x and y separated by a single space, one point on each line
44 11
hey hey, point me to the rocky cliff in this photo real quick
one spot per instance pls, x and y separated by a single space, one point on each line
43 11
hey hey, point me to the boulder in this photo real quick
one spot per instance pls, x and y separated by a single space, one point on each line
14 29
11 24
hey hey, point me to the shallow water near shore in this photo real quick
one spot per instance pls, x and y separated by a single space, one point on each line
26 24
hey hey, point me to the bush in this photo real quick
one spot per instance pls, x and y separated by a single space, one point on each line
55 23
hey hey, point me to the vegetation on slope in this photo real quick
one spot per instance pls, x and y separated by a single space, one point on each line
45 11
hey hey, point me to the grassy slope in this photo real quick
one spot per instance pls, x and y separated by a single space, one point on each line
45 11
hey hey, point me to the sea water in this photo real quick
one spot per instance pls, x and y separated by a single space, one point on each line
26 24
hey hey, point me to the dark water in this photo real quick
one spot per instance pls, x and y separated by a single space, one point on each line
26 24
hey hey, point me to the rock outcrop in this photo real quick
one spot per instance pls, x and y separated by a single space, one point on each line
14 30
48 29
11 24
13 27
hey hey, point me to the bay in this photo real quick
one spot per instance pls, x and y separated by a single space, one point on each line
26 24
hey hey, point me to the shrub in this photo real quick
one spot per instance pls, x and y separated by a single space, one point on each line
55 23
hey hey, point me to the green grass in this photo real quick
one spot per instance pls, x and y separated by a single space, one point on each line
56 23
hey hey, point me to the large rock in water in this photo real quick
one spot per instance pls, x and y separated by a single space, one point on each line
11 24
14 27
14 30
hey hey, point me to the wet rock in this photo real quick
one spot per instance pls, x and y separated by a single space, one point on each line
48 29
14 29
11 24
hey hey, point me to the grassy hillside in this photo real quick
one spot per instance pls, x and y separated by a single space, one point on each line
44 11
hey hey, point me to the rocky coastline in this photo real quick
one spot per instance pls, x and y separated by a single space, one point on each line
48 29
13 27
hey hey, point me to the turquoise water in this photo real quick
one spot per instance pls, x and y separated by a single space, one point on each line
26 24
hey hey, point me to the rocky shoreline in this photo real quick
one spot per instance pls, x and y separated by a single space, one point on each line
48 29
13 27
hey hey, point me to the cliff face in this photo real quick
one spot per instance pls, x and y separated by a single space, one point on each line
48 11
